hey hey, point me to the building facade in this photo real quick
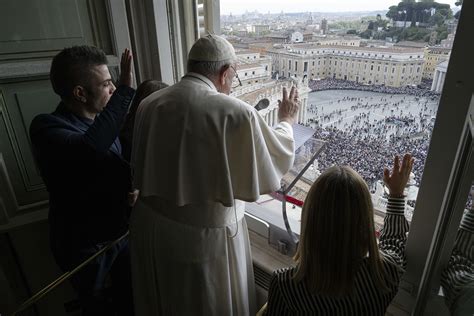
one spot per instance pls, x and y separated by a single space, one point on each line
433 57
255 73
396 67
439 76
339 41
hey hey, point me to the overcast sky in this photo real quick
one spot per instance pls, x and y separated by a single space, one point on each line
275 6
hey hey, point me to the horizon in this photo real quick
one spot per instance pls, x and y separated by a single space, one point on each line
303 6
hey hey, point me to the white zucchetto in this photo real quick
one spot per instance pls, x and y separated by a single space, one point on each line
212 48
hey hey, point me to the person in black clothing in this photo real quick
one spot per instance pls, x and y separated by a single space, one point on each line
89 182
145 88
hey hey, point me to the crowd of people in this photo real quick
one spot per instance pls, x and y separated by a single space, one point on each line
365 131
368 155
338 84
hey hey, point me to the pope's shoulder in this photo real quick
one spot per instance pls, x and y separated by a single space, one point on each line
204 99
221 98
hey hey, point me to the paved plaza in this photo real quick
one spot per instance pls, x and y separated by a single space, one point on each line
369 113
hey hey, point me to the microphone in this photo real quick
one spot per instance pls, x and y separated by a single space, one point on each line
262 104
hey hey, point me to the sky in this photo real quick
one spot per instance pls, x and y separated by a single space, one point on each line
276 6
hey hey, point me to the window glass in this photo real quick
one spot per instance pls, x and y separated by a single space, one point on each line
362 117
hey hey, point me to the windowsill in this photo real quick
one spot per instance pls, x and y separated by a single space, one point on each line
265 256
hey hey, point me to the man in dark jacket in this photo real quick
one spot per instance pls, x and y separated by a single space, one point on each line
89 182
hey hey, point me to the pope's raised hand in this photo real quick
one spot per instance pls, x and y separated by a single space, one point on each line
288 106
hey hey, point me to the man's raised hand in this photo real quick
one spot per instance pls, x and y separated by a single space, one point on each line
126 68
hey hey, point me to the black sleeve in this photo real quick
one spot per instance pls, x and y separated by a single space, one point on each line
98 138
107 125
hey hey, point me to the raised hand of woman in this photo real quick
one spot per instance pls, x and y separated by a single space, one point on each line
397 179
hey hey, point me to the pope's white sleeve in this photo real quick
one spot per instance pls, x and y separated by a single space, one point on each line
279 143
284 128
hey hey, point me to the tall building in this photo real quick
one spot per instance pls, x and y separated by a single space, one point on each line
260 29
324 26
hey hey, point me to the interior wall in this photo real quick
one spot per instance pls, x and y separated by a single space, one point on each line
32 32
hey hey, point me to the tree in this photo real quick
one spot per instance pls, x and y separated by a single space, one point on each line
436 19
392 13
366 34
413 12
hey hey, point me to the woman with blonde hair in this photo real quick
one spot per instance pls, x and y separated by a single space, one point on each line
340 269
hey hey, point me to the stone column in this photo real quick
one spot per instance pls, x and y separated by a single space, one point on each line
443 79
439 86
435 80
305 114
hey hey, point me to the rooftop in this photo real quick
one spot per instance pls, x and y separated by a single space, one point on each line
395 50
374 49
244 52
439 49
411 44
248 66
253 97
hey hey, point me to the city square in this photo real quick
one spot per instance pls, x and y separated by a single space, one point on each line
362 129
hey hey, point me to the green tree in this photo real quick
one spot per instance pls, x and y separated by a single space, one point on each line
436 19
366 34
392 13
413 12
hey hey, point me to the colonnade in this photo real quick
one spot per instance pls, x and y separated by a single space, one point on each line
438 80
271 113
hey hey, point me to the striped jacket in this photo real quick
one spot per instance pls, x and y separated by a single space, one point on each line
457 279
287 297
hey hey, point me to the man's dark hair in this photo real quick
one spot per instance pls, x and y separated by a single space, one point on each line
72 67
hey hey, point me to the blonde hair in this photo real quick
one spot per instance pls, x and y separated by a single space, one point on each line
337 233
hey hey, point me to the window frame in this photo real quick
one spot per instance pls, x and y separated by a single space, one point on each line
434 224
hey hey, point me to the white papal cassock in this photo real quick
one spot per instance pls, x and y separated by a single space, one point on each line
197 155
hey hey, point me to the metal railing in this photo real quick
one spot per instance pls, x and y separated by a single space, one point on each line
64 277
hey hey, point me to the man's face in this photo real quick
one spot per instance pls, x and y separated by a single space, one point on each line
99 89
230 74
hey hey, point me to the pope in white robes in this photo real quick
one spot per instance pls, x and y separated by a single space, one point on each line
198 154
